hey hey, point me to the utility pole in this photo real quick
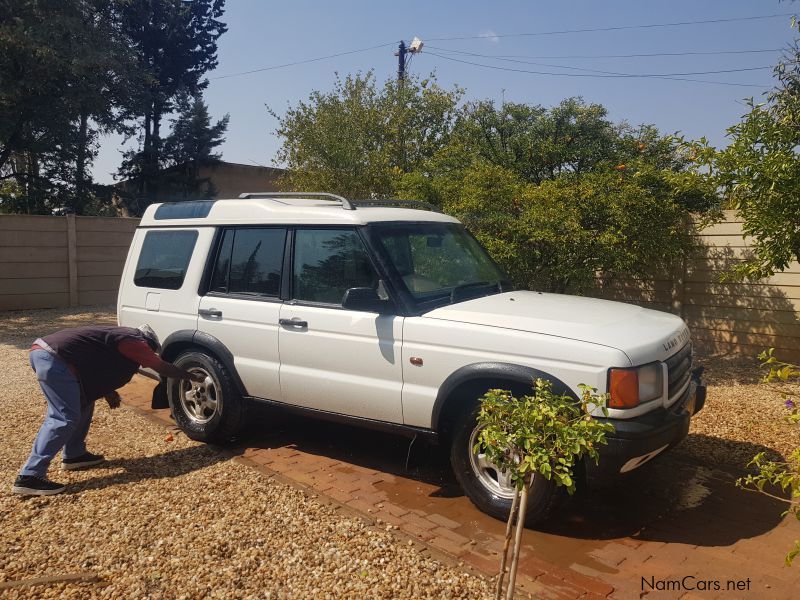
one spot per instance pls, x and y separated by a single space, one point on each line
401 61
414 48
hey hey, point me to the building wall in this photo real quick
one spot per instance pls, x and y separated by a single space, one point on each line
51 262
230 179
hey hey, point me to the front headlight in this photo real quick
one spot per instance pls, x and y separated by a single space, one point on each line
631 387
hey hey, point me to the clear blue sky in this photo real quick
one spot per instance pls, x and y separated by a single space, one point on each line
263 34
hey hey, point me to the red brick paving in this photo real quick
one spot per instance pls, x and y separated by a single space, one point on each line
602 547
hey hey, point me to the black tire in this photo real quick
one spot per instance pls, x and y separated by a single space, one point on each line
222 423
544 498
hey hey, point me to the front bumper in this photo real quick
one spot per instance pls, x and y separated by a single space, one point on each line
639 440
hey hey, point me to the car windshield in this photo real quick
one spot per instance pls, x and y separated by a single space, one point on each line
439 263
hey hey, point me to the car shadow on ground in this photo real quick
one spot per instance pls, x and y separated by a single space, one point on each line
673 499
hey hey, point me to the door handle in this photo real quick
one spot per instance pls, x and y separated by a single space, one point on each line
209 312
293 323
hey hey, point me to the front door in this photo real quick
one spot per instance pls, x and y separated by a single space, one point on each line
242 306
332 359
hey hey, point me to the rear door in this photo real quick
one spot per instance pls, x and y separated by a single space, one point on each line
332 359
242 305
161 278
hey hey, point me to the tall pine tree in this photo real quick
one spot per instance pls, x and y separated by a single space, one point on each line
190 146
175 43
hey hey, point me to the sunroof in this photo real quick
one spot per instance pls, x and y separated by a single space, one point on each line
194 209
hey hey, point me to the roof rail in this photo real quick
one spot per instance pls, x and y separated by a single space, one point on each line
346 204
392 202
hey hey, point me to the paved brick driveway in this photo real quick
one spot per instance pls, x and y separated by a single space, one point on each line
671 521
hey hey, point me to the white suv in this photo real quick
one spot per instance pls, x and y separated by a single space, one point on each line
389 316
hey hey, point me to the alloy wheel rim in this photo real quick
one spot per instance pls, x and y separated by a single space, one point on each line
486 472
200 400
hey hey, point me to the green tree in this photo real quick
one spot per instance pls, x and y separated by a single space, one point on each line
539 143
359 138
190 146
175 45
64 67
758 173
559 235
541 435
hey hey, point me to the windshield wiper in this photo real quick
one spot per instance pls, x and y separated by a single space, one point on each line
466 291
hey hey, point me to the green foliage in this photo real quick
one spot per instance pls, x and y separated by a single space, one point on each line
759 173
554 207
191 145
73 70
174 44
193 137
359 138
783 475
544 434
558 235
64 75
539 143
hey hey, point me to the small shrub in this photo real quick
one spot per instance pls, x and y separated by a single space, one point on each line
541 435
784 475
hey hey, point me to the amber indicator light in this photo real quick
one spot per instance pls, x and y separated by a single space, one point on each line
624 389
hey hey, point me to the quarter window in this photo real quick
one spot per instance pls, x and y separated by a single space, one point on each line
164 258
329 261
249 262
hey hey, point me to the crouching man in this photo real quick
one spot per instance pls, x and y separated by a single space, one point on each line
75 367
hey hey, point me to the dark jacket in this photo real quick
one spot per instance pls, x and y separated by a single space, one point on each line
92 352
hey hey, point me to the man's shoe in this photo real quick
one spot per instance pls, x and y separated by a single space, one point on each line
36 486
81 462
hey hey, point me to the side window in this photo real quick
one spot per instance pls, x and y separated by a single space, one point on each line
327 262
164 258
249 262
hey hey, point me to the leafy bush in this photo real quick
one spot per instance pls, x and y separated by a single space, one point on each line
541 435
784 475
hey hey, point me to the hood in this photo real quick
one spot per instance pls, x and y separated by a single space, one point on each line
644 335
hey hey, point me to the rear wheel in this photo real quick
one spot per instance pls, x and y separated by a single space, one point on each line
488 487
211 411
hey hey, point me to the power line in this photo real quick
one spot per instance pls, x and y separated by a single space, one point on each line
617 28
642 55
610 73
299 62
675 77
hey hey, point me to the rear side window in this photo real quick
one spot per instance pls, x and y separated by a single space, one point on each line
249 262
164 258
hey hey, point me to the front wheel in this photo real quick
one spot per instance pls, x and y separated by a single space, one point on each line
489 488
211 411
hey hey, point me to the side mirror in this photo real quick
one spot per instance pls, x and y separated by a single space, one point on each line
365 299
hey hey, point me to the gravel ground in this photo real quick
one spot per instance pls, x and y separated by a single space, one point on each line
742 416
170 518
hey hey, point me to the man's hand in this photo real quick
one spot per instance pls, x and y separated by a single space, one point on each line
168 370
113 400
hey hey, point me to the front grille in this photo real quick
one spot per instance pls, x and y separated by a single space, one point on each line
679 369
